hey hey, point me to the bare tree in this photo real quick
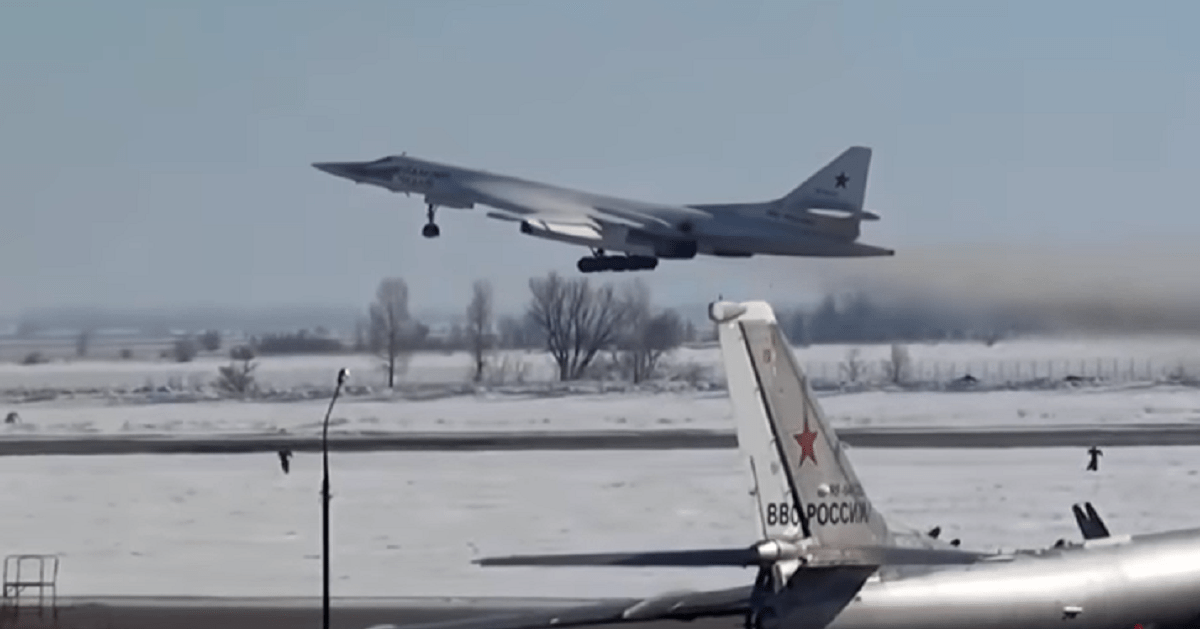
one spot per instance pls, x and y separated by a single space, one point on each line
649 341
853 367
361 335
577 320
83 342
238 376
647 336
689 332
519 333
899 364
210 340
392 329
479 325
184 349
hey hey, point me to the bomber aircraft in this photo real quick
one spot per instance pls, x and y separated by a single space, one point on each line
827 558
820 218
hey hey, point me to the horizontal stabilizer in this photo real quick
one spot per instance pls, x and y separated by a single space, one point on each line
822 556
666 559
862 215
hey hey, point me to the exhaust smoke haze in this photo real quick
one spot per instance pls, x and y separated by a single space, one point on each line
1143 287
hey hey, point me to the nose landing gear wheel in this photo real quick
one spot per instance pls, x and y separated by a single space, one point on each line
430 230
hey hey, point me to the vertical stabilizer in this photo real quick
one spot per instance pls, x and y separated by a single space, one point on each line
804 483
840 185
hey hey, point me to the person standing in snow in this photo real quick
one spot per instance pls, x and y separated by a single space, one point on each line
285 457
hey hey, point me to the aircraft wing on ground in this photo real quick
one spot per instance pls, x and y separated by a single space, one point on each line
676 606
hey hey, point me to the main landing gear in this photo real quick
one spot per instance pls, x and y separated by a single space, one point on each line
600 262
430 230
762 615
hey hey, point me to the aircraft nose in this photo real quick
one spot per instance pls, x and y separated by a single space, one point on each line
358 172
339 169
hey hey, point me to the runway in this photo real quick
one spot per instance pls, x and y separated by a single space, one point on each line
256 613
862 437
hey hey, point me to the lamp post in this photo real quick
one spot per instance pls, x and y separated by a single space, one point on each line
341 379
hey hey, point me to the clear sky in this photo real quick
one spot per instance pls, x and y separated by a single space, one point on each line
158 153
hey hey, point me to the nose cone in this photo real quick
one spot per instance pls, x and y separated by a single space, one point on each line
340 169
361 172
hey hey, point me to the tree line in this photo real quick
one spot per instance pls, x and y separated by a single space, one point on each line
594 329
585 328
857 318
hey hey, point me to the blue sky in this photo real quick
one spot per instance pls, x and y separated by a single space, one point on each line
157 153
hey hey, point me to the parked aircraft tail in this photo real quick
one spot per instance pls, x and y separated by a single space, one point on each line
804 484
811 508
841 185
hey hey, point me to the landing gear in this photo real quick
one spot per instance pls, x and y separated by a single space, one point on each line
600 262
762 618
430 230
762 615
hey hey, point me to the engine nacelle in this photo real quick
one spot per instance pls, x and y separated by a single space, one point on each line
774 550
676 249
663 247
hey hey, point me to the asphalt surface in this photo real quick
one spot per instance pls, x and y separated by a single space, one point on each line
233 613
908 437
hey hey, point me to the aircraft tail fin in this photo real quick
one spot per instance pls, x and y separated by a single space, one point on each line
811 508
804 484
841 186
1090 524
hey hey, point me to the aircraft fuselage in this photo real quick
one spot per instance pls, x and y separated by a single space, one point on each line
1151 580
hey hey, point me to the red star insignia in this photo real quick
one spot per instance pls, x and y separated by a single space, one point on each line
807 440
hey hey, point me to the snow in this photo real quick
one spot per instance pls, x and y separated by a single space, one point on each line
692 410
408 524
1125 358
132 397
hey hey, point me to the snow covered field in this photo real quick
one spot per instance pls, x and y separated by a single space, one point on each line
131 397
693 410
408 524
1117 358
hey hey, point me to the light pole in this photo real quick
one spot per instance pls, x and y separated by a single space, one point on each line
341 379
